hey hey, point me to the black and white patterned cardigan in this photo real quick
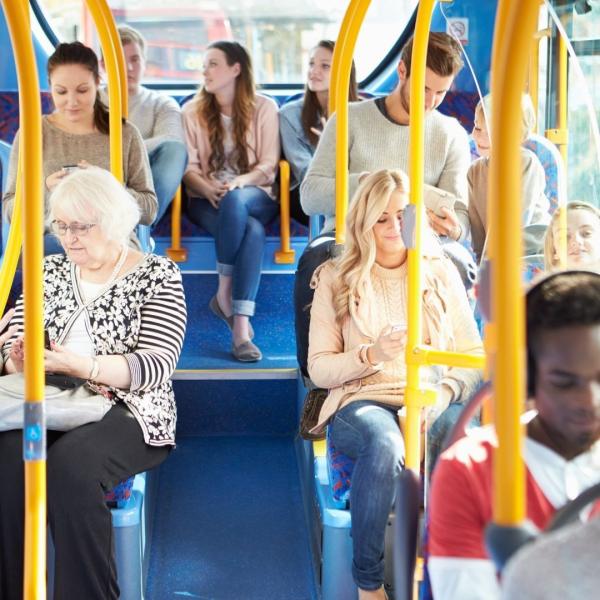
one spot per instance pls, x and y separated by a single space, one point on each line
141 316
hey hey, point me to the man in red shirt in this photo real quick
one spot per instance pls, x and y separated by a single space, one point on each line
562 447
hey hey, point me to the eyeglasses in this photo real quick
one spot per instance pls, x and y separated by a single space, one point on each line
77 229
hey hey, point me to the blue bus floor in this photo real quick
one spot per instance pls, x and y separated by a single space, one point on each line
229 523
208 340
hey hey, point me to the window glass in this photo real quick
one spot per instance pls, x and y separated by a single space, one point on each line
279 34
584 93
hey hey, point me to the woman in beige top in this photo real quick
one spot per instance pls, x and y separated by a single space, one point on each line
76 134
357 351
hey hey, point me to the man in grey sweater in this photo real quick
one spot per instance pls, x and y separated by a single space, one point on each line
158 117
378 138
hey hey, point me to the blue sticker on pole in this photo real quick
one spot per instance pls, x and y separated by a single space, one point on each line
34 431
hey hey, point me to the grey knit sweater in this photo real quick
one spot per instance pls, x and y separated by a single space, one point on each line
158 117
375 142
60 148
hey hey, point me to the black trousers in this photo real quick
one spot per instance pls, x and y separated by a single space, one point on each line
81 465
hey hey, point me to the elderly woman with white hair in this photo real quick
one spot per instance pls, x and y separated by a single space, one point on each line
116 319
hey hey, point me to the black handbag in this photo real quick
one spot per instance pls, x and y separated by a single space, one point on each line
310 414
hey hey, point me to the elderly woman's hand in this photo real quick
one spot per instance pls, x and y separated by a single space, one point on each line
61 360
17 354
388 346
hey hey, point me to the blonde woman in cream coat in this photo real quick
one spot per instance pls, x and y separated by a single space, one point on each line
357 351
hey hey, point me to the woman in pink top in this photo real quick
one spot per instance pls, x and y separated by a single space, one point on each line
232 135
357 348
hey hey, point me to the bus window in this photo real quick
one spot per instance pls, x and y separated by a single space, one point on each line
278 34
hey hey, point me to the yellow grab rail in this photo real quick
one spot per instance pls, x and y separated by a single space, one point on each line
119 55
534 68
15 239
425 355
415 397
109 51
176 252
285 254
509 67
34 439
342 64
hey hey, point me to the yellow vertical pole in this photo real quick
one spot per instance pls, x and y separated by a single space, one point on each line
563 82
342 63
285 254
175 251
413 396
34 438
119 55
508 81
114 87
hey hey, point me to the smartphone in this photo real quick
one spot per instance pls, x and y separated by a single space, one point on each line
47 344
70 168
399 327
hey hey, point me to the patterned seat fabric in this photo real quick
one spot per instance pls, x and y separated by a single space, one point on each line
340 469
120 494
551 160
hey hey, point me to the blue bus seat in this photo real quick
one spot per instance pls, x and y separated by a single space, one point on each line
533 266
552 162
129 535
336 542
333 474
4 160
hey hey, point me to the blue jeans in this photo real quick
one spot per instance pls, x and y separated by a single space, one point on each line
167 163
369 433
239 232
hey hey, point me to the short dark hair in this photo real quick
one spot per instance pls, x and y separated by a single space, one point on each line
444 54
563 299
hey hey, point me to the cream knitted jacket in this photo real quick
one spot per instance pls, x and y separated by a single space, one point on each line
334 354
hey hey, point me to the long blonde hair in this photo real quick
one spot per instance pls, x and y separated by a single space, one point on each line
209 111
551 262
354 265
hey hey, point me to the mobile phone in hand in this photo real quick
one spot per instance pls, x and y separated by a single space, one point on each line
47 343
399 327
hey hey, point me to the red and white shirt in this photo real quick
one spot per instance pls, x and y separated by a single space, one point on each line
461 506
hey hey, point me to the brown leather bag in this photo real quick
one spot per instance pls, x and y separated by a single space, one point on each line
310 414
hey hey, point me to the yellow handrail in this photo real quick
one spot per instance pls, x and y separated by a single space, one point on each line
425 355
15 239
114 85
176 252
285 254
415 397
534 68
119 55
342 54
30 109
509 67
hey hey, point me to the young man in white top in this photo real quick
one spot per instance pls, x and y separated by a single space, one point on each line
158 117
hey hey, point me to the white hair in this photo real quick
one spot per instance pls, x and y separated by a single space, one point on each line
93 195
